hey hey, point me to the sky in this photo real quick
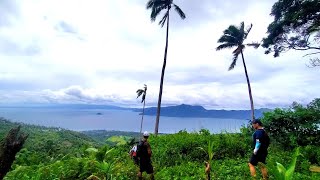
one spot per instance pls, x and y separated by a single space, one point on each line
102 51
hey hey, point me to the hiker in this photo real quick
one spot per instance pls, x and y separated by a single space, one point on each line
144 154
261 143
133 154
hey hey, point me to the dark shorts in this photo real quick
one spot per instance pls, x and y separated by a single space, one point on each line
146 166
259 157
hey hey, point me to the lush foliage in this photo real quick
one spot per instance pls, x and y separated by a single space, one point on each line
295 26
297 126
60 154
287 174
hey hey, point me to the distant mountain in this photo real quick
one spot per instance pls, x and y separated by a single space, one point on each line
184 110
66 106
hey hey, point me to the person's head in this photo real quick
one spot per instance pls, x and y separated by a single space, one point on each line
256 123
146 135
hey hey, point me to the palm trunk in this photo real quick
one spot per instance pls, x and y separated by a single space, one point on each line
144 103
249 87
162 77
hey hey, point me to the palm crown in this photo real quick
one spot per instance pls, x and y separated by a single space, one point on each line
157 6
234 37
142 92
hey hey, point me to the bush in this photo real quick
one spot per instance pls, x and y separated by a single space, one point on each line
297 126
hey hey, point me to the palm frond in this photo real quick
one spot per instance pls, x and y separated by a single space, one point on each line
139 92
150 4
235 53
226 45
179 11
241 31
164 19
234 61
155 3
226 38
156 11
142 92
254 44
247 32
143 97
238 50
232 30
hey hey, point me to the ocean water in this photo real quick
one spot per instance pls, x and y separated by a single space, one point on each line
122 120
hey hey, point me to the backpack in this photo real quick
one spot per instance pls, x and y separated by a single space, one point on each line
142 150
133 151
133 154
267 139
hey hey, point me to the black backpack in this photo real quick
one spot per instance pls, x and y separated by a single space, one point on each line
267 138
142 150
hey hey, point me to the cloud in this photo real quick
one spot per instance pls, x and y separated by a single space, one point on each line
8 12
101 52
65 27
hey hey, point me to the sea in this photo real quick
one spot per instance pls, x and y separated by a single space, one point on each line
79 119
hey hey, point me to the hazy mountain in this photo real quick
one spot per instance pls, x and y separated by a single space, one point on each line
184 110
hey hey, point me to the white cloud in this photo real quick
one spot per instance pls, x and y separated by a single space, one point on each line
102 51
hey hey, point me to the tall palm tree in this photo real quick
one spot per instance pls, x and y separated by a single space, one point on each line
142 92
233 37
156 7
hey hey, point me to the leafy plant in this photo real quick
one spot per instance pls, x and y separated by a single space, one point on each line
287 174
209 151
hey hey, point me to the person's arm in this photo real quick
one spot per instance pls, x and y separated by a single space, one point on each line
149 149
258 136
257 146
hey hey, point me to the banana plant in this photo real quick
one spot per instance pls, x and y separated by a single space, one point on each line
287 174
105 166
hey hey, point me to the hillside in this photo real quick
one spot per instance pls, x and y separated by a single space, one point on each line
49 140
102 136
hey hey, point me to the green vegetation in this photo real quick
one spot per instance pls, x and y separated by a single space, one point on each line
295 26
287 174
52 153
101 135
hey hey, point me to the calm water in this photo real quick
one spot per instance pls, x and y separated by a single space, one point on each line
123 120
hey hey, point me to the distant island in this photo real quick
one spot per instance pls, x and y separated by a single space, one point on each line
185 110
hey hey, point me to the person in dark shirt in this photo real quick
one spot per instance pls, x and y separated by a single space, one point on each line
261 143
144 155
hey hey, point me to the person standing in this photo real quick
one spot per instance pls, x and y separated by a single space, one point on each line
261 143
144 154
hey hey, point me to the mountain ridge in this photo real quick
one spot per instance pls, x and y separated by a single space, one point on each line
185 110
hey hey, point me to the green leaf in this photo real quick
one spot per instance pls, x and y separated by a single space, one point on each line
281 169
290 171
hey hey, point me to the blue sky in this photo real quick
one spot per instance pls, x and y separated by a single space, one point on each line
102 51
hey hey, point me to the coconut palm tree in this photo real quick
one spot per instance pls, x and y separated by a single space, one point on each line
156 7
233 37
142 92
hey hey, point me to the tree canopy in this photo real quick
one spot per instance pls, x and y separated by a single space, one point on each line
295 26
